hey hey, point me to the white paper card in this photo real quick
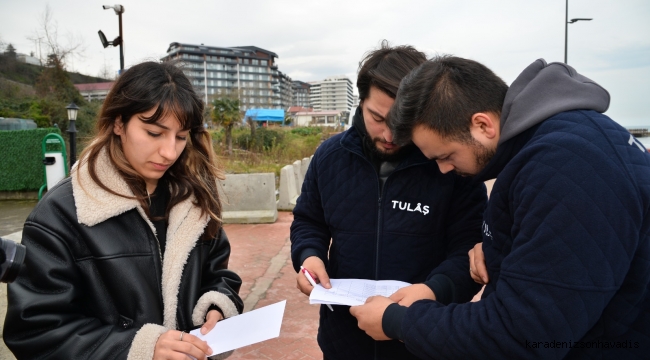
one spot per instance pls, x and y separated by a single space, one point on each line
353 292
245 329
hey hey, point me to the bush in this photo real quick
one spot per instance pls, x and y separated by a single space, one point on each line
264 139
306 131
21 165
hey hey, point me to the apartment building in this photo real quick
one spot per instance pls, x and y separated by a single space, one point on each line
285 91
333 93
301 91
246 72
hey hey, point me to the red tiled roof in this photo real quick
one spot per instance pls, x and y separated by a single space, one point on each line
94 86
295 109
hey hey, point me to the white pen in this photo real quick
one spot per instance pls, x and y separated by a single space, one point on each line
312 282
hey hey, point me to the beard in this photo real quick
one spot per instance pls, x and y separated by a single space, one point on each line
482 156
373 146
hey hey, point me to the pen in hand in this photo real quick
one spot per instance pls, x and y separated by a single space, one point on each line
312 282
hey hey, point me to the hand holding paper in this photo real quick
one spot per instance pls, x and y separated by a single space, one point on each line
245 329
353 292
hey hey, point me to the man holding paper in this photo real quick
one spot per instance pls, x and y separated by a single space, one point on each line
566 234
370 209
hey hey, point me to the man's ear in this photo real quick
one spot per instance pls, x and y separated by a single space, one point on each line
485 125
118 127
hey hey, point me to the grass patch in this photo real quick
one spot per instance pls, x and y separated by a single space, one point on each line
269 150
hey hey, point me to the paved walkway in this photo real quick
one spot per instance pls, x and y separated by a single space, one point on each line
261 256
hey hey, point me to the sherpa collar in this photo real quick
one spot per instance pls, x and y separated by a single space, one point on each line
185 224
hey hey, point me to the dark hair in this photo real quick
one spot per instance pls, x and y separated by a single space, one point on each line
443 94
385 67
164 87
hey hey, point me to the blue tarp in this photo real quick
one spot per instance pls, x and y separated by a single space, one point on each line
265 114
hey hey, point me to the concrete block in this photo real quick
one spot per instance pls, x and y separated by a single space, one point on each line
297 171
288 193
249 198
304 165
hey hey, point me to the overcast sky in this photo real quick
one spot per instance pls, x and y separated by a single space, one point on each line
317 39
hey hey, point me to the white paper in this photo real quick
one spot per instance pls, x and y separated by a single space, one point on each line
245 329
353 292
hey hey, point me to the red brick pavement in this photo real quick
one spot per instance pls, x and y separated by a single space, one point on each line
261 256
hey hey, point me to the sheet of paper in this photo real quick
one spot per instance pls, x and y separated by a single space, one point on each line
245 329
353 291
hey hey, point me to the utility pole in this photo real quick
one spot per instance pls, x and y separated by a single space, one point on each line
566 28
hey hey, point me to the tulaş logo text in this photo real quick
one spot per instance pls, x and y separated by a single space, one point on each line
407 206
486 230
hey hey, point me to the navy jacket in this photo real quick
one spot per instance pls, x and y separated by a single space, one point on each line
566 239
419 229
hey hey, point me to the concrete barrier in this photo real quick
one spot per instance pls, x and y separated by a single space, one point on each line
249 198
288 193
297 172
304 165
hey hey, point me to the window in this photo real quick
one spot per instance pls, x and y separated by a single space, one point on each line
264 63
255 62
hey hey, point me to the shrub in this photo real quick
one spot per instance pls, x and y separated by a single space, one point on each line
21 165
306 131
264 139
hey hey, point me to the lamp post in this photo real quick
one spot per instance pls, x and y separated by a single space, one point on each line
566 28
73 109
119 10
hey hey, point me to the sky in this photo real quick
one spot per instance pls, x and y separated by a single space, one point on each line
317 39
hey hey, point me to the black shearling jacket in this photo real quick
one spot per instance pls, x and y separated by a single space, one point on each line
97 286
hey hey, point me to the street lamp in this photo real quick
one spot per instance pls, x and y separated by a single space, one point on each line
119 10
566 27
73 109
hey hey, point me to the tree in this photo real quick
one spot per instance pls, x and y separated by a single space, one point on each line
49 33
106 72
10 51
54 83
225 112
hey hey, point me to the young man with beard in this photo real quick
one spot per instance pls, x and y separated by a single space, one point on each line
566 234
370 209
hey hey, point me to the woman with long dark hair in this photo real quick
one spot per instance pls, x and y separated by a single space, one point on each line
128 254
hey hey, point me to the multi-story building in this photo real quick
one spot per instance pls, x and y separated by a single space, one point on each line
314 95
285 90
333 93
246 72
300 94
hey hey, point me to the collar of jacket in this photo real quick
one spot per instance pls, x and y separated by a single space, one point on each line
505 152
352 141
185 224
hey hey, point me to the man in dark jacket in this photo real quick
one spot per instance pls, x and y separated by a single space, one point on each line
566 234
370 209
